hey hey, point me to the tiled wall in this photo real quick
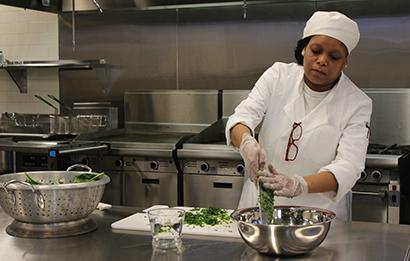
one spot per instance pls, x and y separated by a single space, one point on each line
28 35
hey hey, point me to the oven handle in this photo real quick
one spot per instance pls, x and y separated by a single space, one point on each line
380 194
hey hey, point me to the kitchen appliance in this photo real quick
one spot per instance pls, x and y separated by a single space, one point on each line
211 182
157 123
295 229
59 208
110 164
213 173
149 181
97 114
380 194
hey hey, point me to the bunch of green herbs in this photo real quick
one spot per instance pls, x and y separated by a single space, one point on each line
266 200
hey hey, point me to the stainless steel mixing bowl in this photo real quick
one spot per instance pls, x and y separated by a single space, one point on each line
294 230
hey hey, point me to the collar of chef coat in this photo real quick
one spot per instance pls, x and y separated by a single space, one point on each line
295 109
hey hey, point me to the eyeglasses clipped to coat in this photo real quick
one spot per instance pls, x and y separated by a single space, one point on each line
295 135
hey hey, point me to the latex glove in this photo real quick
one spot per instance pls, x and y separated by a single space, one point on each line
283 185
253 155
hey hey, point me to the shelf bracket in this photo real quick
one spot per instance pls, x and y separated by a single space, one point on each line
19 76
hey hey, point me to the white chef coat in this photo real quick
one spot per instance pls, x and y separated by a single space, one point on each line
334 134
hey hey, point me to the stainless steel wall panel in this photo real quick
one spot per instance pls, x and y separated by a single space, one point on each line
140 47
381 58
216 48
390 122
231 99
171 109
219 49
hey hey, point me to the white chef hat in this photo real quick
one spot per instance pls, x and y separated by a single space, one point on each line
333 24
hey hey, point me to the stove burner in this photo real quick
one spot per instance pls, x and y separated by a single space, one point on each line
389 150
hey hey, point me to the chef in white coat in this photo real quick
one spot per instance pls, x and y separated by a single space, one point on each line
315 122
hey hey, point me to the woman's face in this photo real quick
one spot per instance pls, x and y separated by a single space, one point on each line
323 61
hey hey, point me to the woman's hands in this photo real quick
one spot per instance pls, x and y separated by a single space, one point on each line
283 185
253 155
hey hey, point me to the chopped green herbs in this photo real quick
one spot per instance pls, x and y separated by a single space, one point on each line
207 216
266 201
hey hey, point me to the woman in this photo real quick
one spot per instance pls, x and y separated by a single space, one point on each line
315 122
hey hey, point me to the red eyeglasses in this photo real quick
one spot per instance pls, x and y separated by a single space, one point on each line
295 135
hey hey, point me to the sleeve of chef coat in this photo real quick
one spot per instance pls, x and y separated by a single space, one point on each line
351 152
251 111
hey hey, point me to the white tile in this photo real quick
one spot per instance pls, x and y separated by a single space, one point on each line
13 107
28 35
18 52
43 27
38 16
4 76
53 53
16 28
8 85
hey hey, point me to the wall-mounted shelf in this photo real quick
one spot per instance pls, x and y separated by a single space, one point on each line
18 69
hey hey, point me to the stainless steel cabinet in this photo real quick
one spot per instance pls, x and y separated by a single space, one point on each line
201 190
149 181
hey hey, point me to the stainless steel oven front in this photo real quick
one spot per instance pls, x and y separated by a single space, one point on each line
376 196
212 182
149 181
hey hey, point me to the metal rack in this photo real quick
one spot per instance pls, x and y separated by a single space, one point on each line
18 69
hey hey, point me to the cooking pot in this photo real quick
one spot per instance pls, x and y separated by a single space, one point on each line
58 201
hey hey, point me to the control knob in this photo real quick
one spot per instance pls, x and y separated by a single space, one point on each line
119 163
154 165
240 168
363 175
376 175
204 166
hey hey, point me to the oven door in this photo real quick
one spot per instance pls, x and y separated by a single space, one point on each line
201 190
370 203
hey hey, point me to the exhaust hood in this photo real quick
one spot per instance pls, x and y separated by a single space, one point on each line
155 4
57 6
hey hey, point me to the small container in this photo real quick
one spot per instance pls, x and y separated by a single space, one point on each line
166 226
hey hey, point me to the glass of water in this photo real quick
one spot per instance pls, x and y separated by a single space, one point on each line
166 226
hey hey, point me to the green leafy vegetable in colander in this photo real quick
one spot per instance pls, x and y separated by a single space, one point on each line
32 181
207 216
87 177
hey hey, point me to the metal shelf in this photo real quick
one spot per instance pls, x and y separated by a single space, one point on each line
18 69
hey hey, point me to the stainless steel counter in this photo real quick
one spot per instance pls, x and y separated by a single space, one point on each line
355 241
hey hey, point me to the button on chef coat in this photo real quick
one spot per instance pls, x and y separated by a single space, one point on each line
334 138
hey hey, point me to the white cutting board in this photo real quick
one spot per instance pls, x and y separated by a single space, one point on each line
139 222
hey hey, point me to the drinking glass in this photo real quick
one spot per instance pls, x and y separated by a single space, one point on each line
166 226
